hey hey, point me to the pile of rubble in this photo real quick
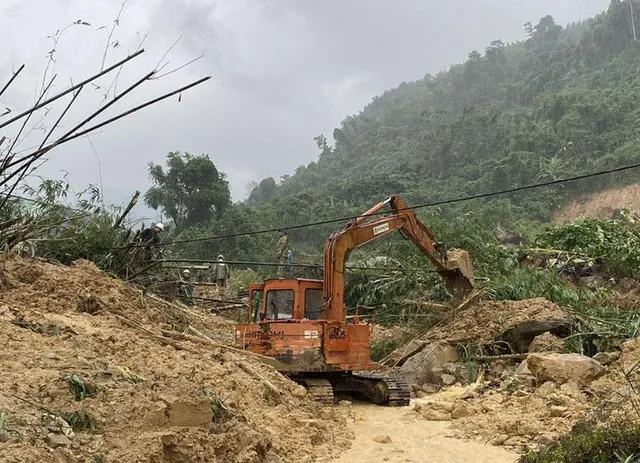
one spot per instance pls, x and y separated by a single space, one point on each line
92 370
500 373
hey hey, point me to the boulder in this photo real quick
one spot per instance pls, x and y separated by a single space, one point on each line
557 411
382 439
463 410
57 440
523 368
520 335
606 358
562 368
427 366
546 342
448 380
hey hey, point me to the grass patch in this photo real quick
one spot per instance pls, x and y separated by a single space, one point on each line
589 443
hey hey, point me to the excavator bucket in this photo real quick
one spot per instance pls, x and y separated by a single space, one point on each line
459 273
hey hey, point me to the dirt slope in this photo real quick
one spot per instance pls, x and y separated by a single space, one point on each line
148 401
601 205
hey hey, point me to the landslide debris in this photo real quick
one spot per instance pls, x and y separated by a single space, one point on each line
499 373
92 370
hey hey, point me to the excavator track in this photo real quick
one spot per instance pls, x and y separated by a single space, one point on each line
320 390
381 390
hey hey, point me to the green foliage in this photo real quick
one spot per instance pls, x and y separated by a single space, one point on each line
562 103
524 283
589 442
79 388
616 243
221 411
191 192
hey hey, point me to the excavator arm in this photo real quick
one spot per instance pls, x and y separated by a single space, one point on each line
454 266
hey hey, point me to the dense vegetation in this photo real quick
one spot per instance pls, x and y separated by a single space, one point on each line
561 103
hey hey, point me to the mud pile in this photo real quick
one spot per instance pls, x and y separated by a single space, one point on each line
482 322
467 370
516 416
93 371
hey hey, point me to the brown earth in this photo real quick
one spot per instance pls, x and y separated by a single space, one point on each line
147 401
601 205
481 322
398 435
515 416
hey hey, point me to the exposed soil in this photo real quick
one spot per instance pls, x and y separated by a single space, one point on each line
400 435
601 205
146 401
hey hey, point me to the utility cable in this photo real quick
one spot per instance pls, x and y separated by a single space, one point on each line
419 206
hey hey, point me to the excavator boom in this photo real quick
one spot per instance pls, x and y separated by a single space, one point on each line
454 266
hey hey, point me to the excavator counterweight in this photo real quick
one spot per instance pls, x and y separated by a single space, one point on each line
300 326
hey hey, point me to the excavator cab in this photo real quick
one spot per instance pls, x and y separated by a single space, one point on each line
285 300
287 322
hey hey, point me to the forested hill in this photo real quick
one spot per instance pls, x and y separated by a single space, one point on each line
565 101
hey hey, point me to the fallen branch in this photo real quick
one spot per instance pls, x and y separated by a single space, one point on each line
162 339
257 375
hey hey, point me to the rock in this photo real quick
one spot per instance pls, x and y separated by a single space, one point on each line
463 410
497 367
50 356
421 394
547 438
557 411
606 358
562 368
435 411
430 388
344 403
523 368
6 438
57 440
499 439
382 439
448 380
521 335
427 365
546 342
450 368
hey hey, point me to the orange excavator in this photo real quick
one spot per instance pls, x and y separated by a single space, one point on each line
300 326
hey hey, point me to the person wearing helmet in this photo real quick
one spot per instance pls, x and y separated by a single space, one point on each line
150 239
185 290
220 273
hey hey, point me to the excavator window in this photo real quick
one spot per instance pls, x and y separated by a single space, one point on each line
280 304
256 303
312 304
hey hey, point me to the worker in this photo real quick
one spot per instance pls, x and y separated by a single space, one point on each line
221 272
289 261
185 290
150 239
281 251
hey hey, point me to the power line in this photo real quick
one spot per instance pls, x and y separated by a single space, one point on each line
420 206
271 264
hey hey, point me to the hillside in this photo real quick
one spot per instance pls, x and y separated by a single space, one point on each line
602 204
562 102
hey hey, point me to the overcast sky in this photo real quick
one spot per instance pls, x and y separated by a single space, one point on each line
283 71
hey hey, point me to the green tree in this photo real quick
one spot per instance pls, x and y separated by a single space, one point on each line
192 191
